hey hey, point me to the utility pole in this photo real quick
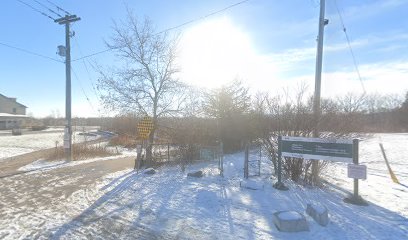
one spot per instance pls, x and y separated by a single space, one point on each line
68 123
318 78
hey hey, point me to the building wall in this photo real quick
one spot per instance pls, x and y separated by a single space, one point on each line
9 123
10 105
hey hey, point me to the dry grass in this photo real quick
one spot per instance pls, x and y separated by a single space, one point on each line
124 141
82 152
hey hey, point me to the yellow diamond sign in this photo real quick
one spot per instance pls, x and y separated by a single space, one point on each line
144 127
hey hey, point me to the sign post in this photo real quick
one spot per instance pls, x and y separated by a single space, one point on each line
144 127
279 185
355 199
339 150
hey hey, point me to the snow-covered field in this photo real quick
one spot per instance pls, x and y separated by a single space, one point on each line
16 145
379 188
170 205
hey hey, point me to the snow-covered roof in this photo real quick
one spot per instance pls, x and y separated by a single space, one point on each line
12 115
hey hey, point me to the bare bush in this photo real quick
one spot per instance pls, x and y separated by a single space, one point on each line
126 141
287 115
82 152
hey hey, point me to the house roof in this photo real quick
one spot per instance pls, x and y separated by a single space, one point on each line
13 101
13 115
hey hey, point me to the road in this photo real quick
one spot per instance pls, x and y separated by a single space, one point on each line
28 201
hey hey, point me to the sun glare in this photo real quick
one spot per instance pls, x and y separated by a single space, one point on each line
215 52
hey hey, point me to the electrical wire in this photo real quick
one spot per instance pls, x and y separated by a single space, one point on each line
86 68
36 10
83 91
203 17
172 28
30 52
58 8
351 49
52 11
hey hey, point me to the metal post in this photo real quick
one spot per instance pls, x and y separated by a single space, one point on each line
246 161
168 152
260 160
279 160
279 185
222 159
355 199
355 161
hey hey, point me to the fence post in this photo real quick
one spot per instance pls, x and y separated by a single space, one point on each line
221 161
168 152
260 160
246 161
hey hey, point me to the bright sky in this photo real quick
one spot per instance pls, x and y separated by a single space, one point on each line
268 44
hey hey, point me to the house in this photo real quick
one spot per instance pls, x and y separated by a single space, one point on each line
11 106
12 113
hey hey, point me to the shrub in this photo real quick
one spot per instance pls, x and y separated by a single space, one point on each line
82 152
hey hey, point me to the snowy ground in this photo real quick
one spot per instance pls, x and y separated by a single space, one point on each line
169 205
379 187
16 145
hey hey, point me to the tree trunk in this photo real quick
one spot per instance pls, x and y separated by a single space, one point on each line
149 148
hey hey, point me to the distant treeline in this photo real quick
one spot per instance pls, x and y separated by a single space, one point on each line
234 117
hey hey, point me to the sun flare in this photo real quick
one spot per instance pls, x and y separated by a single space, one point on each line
215 52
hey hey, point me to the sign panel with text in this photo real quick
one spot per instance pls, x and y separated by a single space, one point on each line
340 150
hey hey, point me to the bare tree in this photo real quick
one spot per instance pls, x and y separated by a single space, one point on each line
352 103
145 82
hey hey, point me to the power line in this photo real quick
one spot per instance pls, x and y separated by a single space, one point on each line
172 28
93 54
41 4
203 17
83 91
30 52
36 10
86 68
59 8
351 49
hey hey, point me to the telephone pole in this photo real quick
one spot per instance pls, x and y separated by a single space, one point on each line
318 73
318 78
68 123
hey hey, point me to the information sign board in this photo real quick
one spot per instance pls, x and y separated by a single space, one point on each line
340 150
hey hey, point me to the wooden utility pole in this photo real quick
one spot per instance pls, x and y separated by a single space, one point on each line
68 123
318 77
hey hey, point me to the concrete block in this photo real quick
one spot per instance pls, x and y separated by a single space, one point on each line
290 221
319 213
250 184
196 174
149 171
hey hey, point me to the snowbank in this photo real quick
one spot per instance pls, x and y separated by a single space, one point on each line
16 145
